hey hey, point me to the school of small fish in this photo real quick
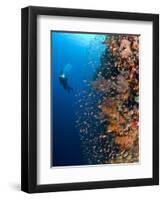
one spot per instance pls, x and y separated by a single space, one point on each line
108 114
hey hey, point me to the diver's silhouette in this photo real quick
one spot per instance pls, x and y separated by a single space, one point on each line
64 82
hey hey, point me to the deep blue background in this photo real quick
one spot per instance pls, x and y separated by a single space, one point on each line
75 49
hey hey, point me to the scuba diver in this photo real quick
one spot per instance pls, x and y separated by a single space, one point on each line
64 80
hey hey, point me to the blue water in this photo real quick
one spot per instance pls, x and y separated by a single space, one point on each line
72 53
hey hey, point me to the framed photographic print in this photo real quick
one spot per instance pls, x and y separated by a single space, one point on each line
90 99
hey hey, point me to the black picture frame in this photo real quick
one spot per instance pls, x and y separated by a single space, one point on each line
29 99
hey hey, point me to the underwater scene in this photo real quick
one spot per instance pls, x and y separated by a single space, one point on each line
94 98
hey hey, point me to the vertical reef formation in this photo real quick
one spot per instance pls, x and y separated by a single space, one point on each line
118 78
108 118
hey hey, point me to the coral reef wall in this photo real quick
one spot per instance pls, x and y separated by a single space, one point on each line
119 78
109 125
